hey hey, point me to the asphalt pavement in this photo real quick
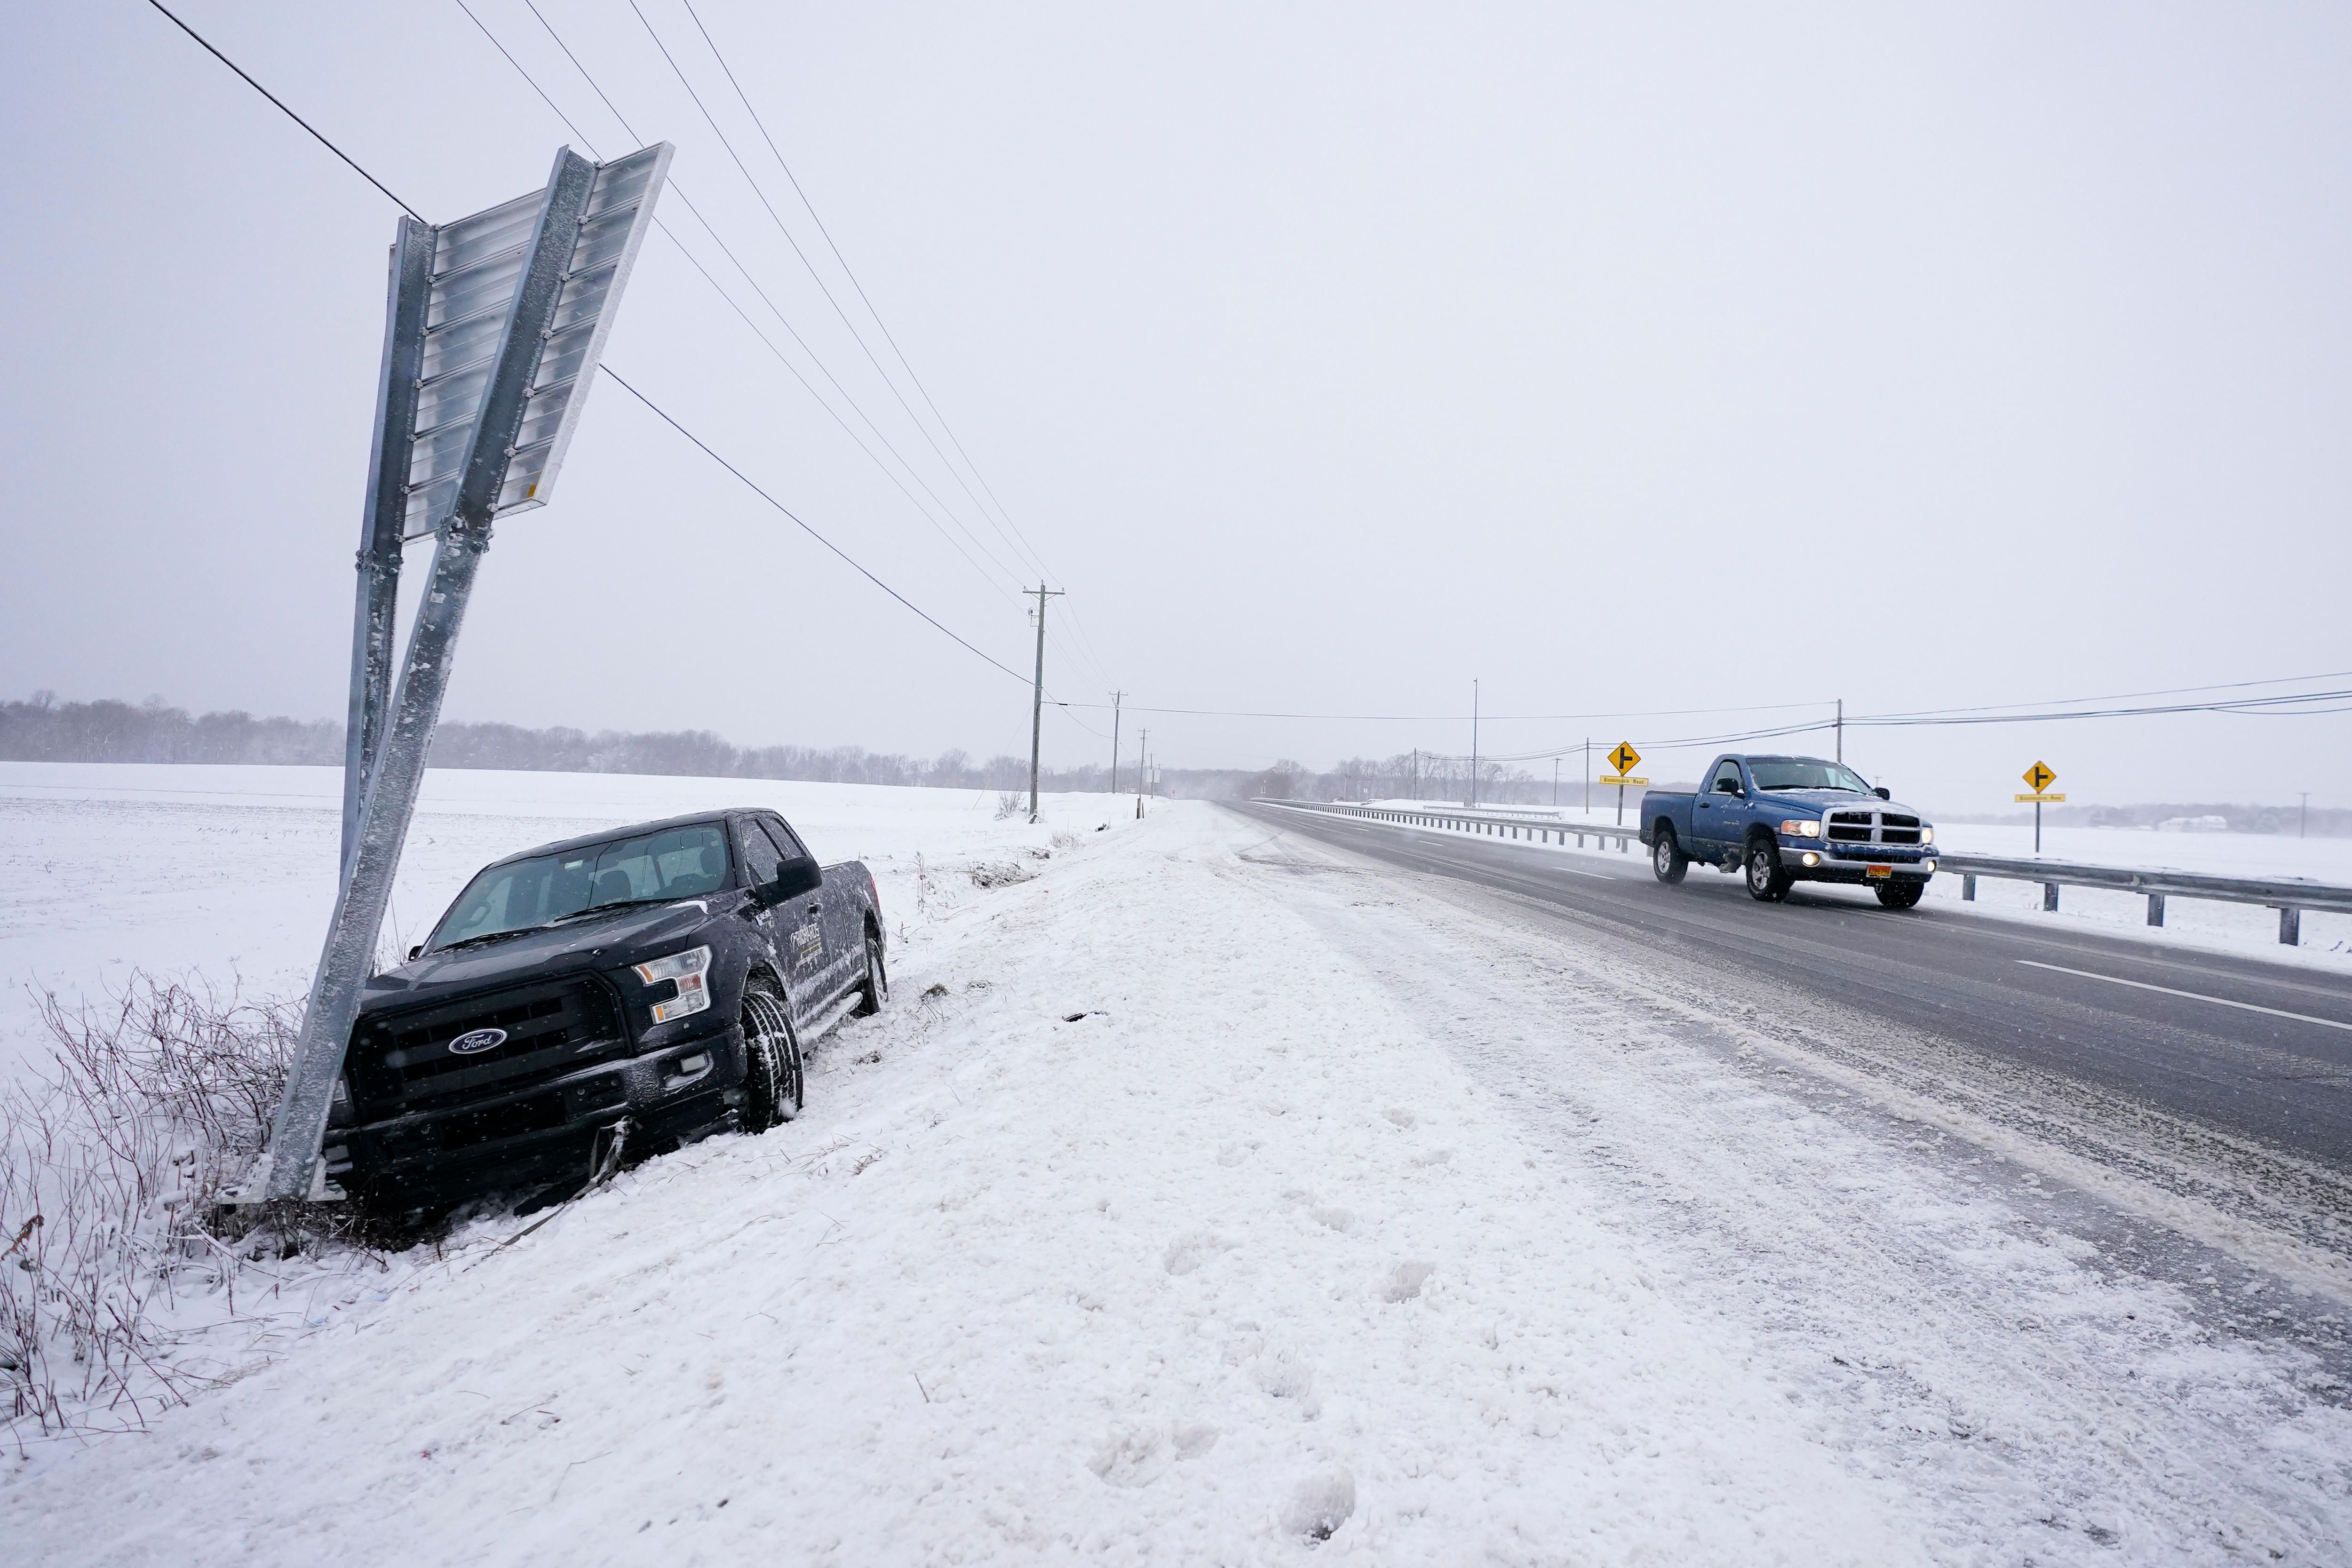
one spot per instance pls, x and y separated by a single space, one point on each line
2256 1049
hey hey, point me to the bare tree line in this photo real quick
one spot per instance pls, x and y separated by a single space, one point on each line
45 730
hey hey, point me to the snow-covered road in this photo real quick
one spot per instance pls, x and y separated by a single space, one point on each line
1211 1194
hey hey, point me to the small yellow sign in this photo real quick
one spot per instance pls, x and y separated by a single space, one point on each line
2039 798
1621 781
2039 777
1624 758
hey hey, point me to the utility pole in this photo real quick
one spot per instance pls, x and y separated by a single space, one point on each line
1473 803
1840 730
1038 696
1141 742
1555 784
1588 775
2303 817
1416 775
1115 699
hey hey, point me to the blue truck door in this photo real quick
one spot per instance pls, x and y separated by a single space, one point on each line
1718 816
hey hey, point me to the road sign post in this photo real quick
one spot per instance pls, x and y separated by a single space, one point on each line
1624 758
495 327
2039 778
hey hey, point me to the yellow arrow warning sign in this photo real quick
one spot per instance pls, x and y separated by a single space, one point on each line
1624 758
2039 777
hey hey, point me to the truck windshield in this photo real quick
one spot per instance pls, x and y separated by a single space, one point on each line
678 863
1804 773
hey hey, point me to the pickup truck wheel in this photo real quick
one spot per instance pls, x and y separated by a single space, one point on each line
876 989
1901 895
1767 881
774 1083
1666 856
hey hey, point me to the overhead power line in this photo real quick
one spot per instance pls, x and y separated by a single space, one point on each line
796 518
617 376
794 241
765 298
945 506
289 114
851 273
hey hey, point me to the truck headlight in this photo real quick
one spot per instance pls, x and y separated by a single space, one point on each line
1803 827
687 970
1926 836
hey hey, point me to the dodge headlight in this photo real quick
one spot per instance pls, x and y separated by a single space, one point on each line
687 970
1803 827
1926 836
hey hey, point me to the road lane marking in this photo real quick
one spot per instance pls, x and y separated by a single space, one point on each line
2192 995
1604 876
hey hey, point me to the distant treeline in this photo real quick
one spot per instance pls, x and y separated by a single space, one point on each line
45 730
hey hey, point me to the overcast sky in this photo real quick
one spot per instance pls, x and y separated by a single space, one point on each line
1329 357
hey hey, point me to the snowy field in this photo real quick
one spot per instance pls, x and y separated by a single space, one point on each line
230 870
2193 922
1201 1199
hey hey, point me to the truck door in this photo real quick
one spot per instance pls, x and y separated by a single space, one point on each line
1719 814
802 930
761 860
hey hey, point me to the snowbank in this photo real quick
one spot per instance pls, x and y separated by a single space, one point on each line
1139 1228
1199 1199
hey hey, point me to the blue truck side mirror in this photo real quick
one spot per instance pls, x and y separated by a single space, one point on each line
1881 793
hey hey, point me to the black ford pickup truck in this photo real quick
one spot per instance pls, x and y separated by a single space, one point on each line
638 988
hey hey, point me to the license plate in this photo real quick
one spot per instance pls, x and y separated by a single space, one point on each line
1878 870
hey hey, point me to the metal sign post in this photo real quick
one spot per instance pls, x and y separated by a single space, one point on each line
387 506
496 325
1624 758
2039 778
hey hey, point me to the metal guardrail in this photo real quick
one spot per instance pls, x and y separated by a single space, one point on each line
1531 829
2288 895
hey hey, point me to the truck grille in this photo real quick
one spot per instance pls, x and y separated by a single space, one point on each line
550 1028
1872 827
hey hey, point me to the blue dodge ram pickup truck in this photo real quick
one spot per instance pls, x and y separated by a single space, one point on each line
641 987
1783 820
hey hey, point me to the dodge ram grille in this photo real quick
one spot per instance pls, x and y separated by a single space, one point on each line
1872 827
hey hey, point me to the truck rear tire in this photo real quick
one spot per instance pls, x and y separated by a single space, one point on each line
1666 856
773 1082
1901 895
876 989
1767 882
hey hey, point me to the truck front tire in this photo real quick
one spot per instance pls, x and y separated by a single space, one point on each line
1901 895
774 1083
1666 856
1768 883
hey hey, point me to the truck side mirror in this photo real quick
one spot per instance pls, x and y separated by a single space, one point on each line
1726 786
414 952
796 876
1881 793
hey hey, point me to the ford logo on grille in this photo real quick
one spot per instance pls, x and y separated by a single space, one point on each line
474 1040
